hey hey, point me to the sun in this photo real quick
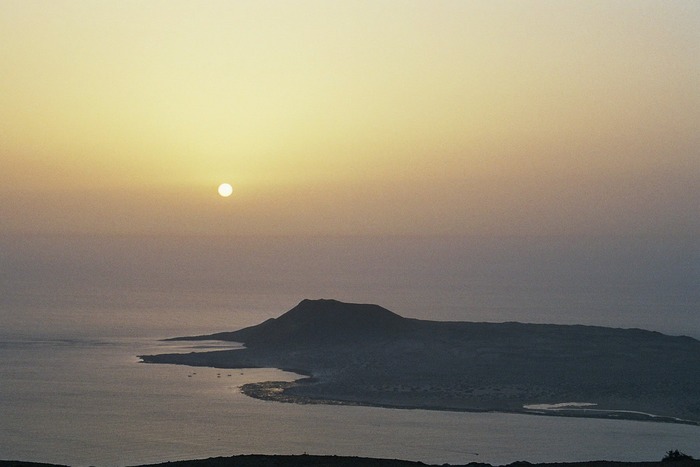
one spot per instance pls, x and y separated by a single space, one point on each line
225 190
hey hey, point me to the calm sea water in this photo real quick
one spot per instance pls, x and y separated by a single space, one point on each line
75 313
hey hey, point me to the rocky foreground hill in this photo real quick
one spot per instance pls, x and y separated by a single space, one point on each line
341 461
365 354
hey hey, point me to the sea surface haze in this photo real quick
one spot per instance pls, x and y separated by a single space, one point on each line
128 285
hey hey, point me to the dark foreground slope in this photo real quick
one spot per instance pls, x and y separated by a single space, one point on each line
341 461
365 354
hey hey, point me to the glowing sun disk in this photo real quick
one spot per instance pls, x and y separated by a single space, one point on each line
225 190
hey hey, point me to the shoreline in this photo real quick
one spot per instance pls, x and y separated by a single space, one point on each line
277 391
363 354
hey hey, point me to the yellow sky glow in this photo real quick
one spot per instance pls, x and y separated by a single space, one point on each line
404 117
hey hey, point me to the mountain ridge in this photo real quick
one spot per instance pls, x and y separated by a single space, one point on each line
323 321
333 321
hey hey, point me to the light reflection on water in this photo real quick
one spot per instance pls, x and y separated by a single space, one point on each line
89 402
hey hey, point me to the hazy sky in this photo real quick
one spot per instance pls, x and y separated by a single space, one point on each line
400 117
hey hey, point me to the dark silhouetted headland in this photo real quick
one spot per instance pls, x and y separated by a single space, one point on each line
367 355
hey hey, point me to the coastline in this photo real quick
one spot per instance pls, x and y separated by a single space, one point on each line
277 391
356 354
313 389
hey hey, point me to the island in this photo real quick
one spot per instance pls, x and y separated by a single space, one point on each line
364 354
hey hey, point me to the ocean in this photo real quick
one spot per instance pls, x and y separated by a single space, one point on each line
77 311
